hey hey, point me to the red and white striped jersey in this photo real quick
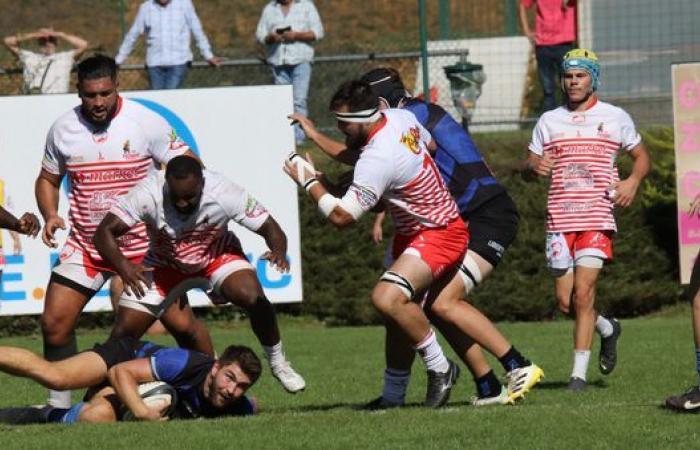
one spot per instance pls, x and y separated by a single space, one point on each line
190 242
395 166
102 164
584 146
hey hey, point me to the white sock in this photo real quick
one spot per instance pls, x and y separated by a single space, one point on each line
603 326
395 385
274 354
581 358
59 399
430 351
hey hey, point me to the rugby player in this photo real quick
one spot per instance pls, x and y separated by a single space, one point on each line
186 211
206 387
492 219
689 401
395 167
576 146
103 147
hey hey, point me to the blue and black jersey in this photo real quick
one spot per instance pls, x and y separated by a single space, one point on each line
185 370
466 175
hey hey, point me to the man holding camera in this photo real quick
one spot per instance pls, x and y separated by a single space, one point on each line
287 28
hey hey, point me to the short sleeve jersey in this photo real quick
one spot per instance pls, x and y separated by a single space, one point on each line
584 146
461 165
186 371
190 242
395 166
103 164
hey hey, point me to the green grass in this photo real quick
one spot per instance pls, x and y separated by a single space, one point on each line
343 369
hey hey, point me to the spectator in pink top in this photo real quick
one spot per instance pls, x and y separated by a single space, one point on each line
555 34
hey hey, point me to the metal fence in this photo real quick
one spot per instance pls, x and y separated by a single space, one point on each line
636 41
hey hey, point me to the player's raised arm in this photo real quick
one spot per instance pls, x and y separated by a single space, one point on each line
125 378
335 149
340 212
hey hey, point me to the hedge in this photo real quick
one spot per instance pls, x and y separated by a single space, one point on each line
340 267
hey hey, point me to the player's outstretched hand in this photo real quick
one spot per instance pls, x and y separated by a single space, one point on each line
29 224
134 278
305 123
277 259
299 169
52 224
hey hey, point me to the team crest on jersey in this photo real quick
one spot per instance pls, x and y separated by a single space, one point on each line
254 209
128 154
174 141
410 139
100 136
601 131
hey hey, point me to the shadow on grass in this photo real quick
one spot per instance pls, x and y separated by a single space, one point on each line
551 385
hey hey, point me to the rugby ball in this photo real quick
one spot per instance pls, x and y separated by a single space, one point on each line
156 395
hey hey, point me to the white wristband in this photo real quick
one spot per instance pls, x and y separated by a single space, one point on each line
327 203
310 182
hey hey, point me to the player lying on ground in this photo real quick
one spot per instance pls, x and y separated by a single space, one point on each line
206 387
577 146
492 220
186 211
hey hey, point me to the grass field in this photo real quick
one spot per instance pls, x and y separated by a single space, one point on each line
343 369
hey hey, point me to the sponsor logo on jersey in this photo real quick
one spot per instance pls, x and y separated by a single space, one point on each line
577 177
99 204
254 209
175 142
365 197
117 174
578 118
410 139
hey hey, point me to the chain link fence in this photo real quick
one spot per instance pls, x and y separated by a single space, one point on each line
636 41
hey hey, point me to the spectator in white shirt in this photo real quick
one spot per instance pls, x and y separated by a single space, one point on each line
287 28
46 72
168 26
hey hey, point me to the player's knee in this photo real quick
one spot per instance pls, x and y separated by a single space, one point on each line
55 331
386 301
246 297
442 309
56 379
584 297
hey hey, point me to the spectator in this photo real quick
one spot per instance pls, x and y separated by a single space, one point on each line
46 72
555 33
169 26
287 28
